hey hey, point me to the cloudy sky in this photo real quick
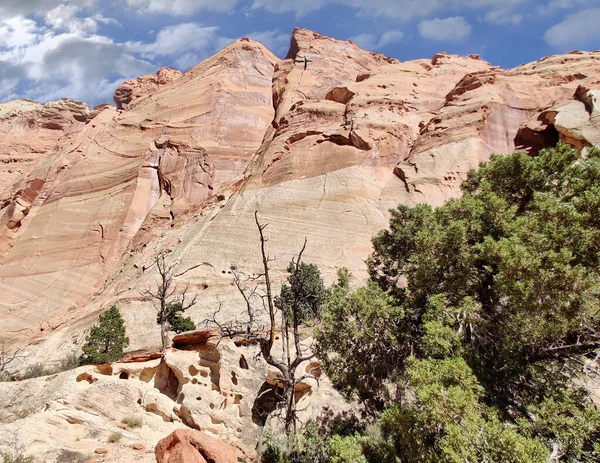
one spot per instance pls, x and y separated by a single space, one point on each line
83 49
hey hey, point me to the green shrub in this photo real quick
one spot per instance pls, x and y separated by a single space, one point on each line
115 437
132 421
307 446
346 449
181 324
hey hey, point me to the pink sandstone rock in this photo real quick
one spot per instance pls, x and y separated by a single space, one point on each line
188 446
143 86
322 144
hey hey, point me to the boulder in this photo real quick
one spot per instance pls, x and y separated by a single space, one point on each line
188 446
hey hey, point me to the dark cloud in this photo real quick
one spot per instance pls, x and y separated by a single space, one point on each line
11 71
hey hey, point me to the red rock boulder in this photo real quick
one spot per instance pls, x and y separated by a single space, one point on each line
188 446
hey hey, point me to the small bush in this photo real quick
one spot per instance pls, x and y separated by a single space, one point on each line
35 371
70 362
132 421
15 457
115 437
70 456
308 446
181 324
5 377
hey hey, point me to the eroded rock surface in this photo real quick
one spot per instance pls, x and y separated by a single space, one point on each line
322 144
86 204
143 86
187 446
203 385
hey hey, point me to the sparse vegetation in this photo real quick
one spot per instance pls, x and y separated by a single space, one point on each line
115 437
70 456
132 421
301 299
16 454
35 371
6 358
169 301
15 458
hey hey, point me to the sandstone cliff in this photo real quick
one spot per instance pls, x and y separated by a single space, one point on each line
321 143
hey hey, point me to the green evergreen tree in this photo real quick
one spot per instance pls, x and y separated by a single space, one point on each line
106 340
304 290
180 324
472 337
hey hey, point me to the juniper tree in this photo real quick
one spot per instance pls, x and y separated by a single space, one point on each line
106 340
482 318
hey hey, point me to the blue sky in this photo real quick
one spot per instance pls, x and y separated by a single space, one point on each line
83 49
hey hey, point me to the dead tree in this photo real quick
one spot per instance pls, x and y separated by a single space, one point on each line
169 302
6 358
264 335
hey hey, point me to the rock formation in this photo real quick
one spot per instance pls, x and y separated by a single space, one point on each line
143 86
186 446
322 144
221 388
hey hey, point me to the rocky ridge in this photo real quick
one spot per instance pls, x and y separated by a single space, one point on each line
321 143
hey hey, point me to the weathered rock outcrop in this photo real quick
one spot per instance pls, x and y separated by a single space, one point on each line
169 155
202 385
140 87
186 446
322 144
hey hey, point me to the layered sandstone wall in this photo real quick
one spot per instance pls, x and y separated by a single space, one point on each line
322 144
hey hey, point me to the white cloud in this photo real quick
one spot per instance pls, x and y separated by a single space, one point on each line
12 8
371 42
187 61
61 56
181 7
554 6
179 39
504 17
579 30
289 6
450 29
493 10
17 32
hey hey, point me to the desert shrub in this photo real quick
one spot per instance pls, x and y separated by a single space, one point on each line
132 421
70 456
15 455
69 362
35 371
307 446
180 324
115 437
